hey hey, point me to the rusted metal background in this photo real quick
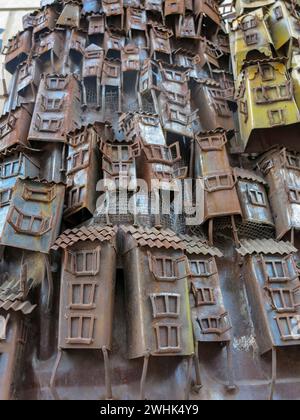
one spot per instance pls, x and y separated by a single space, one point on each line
98 304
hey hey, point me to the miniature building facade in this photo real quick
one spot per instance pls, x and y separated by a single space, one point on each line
149 201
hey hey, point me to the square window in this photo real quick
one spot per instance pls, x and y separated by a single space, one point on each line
282 300
165 305
82 295
168 338
203 295
84 262
289 327
80 329
257 198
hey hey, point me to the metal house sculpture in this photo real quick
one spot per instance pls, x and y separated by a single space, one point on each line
272 282
158 313
21 274
156 143
257 219
87 293
211 322
218 182
282 172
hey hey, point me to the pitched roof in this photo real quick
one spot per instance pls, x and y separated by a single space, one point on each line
249 175
84 233
12 297
154 238
196 245
265 246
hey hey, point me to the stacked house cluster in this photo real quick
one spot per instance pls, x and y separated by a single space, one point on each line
113 106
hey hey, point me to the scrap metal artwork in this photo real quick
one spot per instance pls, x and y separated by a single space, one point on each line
150 201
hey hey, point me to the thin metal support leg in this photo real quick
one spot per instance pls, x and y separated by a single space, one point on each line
108 386
274 374
55 369
144 377
198 385
231 383
189 378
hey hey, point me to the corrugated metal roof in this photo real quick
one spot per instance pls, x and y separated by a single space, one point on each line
154 238
265 246
196 245
249 175
12 297
84 233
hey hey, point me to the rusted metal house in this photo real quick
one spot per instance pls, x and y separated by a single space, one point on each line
87 293
159 320
281 170
138 129
34 215
272 281
211 321
57 109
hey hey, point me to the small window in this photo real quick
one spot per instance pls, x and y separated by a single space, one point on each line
151 121
212 143
243 106
76 197
120 168
84 262
10 169
3 327
276 270
52 104
267 72
78 160
289 327
214 325
39 195
292 161
251 39
28 225
165 305
282 300
249 22
178 116
203 295
294 195
222 108
8 126
271 94
76 140
80 329
174 76
168 338
82 295
48 125
5 197
56 83
205 268
276 117
176 98
257 198
278 13
163 268
219 182
111 71
25 71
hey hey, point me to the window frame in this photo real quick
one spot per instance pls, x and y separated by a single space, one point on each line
21 217
169 326
71 264
166 297
92 298
79 339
